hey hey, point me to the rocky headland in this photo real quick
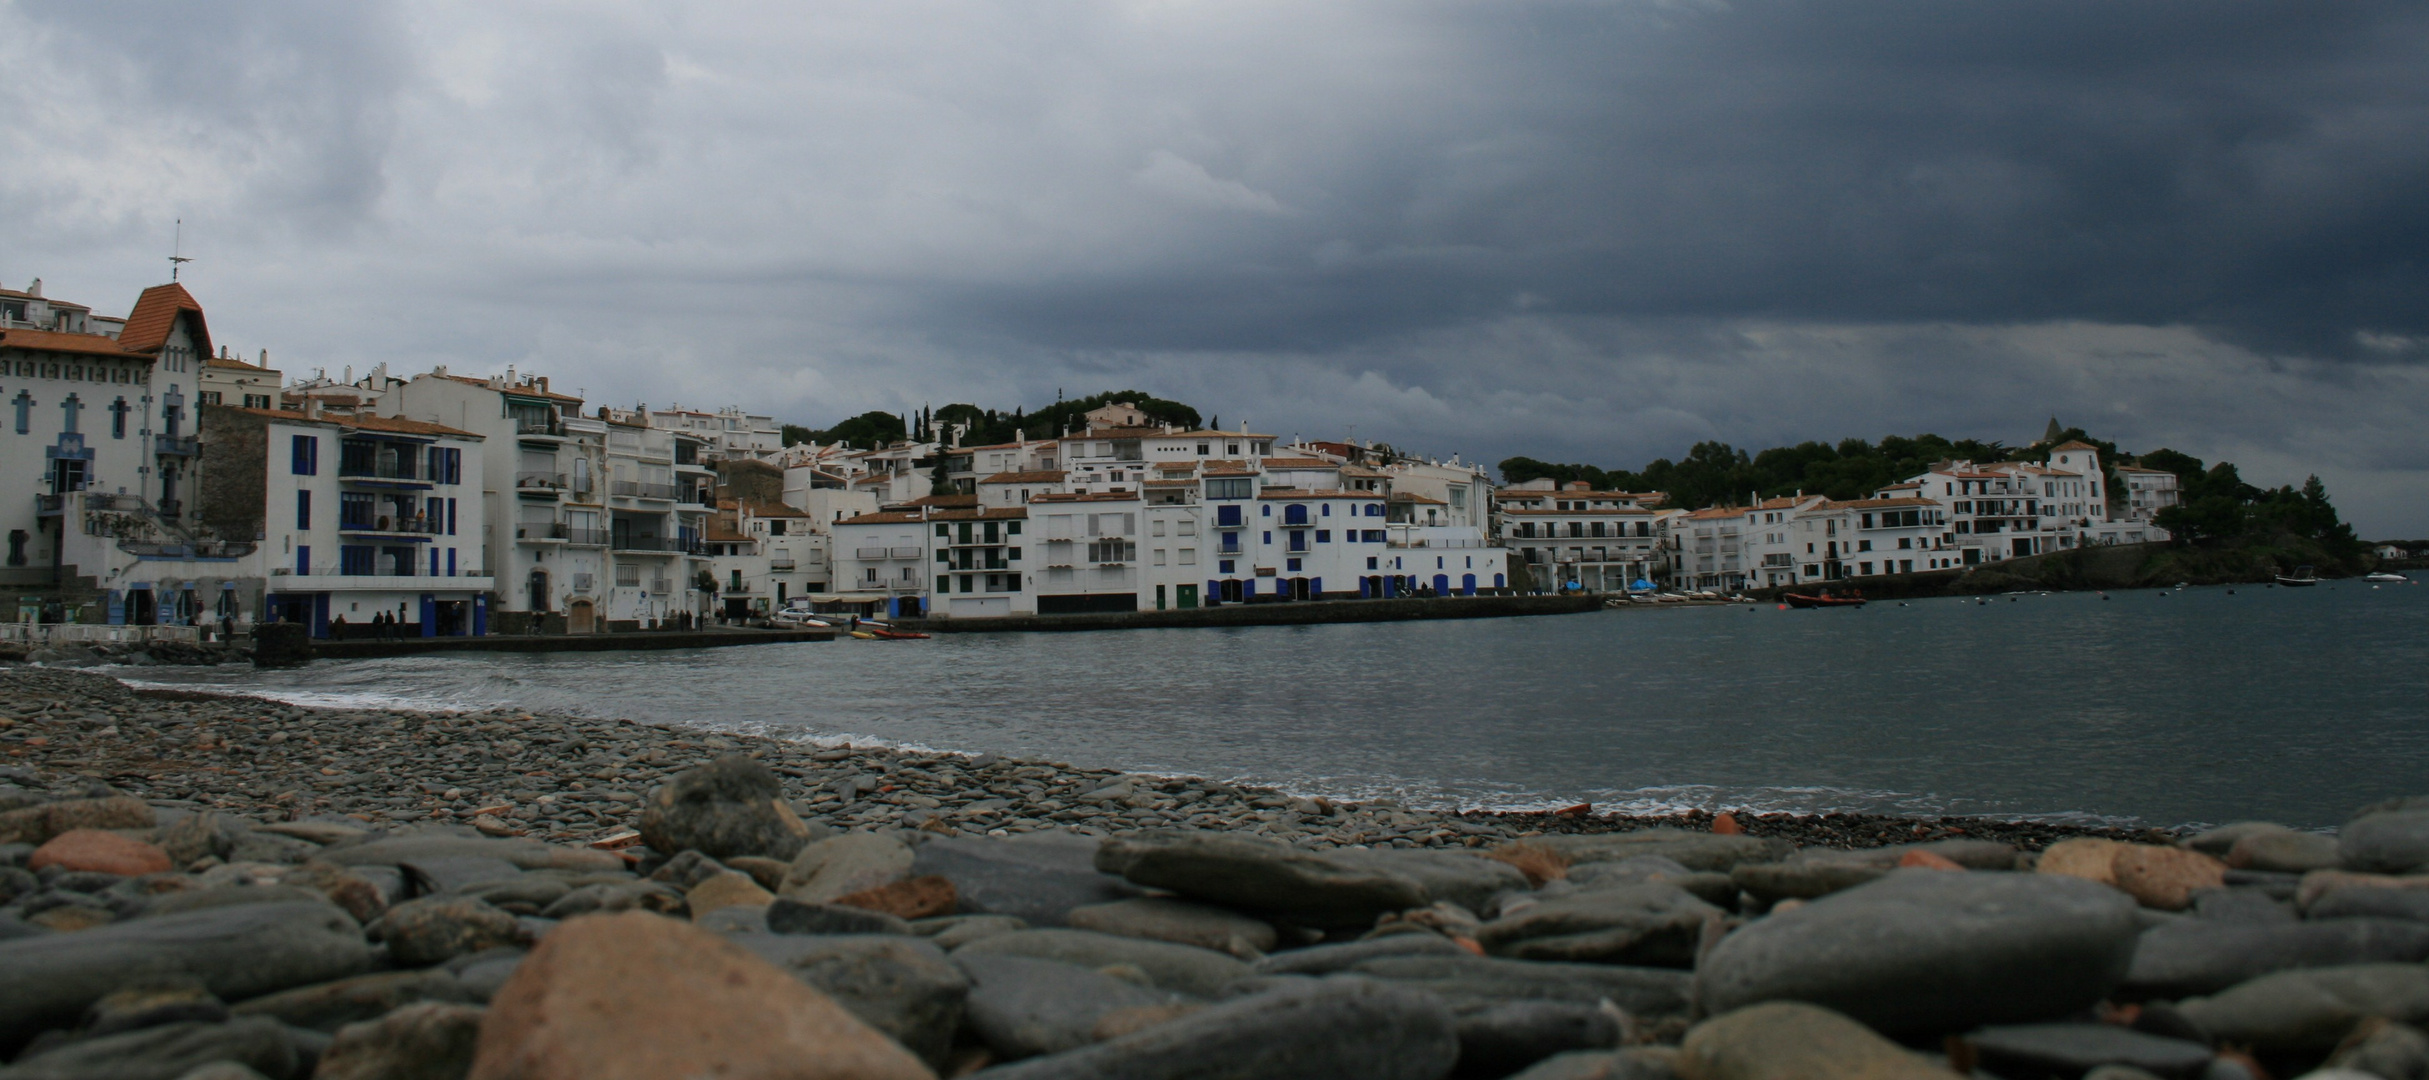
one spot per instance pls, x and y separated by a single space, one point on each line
214 888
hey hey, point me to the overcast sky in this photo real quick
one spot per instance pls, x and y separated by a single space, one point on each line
1575 230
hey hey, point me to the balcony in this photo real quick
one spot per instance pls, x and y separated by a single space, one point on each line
400 471
634 489
416 527
586 537
537 426
174 445
658 544
539 481
780 564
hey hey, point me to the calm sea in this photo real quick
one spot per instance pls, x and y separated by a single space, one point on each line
2200 705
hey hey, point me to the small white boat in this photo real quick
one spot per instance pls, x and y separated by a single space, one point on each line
2387 577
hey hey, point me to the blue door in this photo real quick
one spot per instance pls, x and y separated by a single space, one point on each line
1442 584
1467 584
430 610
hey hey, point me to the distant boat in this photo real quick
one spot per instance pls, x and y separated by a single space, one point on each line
2303 578
1823 600
2385 576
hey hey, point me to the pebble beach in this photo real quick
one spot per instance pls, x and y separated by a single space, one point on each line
197 886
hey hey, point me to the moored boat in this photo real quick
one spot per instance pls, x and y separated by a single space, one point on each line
2303 577
2387 577
1823 600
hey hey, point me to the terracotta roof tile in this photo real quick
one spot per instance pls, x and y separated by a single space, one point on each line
155 315
21 337
1035 476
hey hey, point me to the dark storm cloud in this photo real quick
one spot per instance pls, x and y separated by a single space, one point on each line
2250 167
1592 231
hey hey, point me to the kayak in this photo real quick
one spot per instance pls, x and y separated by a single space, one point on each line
1825 600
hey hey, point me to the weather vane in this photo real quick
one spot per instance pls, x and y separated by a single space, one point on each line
177 247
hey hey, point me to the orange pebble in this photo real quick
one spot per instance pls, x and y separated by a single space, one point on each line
1726 825
1928 860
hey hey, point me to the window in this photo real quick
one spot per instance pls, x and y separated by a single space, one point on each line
1269 537
303 558
1324 536
1189 527
451 517
1158 557
1223 566
1227 517
306 461
629 574
303 510
1292 565
1229 488
252 401
1370 562
1155 527
1012 528
450 562
354 560
1189 556
207 397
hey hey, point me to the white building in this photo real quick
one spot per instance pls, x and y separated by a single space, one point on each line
2147 492
94 407
356 516
1569 537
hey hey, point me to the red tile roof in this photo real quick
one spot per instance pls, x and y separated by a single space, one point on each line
1035 476
155 316
55 341
363 421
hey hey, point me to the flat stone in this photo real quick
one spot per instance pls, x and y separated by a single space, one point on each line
1179 921
2319 883
527 854
1326 959
200 835
271 848
843 865
1022 1006
1036 877
316 832
1800 879
2379 1048
2223 839
731 806
912 898
99 852
2088 857
331 1005
2369 902
1784 1040
235 952
426 1041
216 896
38 824
147 1005
2242 905
610 897
2165 877
1469 881
165 1052
1693 850
729 889
793 917
2071 1049
713 1009
951 932
362 897
1497 1038
484 974
1926 951
1633 1063
435 929
901 986
525 894
457 873
1639 991
1183 968
1340 1029
2390 838
2196 956
2313 1009
1261 876
2286 852
1654 924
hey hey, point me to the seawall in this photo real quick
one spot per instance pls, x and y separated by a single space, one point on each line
1274 614
533 643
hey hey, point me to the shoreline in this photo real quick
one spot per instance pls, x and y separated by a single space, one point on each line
572 779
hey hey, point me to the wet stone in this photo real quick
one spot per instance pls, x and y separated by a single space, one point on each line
2075 1048
786 916
430 931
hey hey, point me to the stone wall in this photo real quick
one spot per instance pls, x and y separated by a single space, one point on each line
234 467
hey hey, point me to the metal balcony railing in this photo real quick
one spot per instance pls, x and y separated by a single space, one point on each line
530 426
175 445
586 537
416 526
539 481
401 469
634 489
658 543
780 564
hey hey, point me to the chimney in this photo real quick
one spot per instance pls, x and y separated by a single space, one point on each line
265 358
312 406
35 289
543 384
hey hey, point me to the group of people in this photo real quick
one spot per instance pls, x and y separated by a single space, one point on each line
385 626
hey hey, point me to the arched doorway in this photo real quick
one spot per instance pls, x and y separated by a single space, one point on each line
538 598
579 617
